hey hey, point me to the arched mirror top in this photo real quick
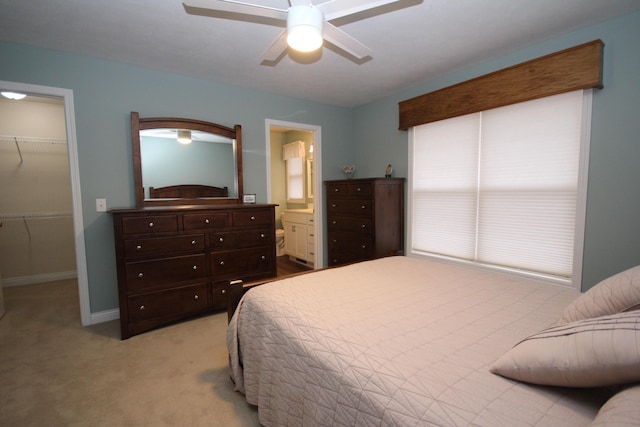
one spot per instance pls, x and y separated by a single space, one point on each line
179 161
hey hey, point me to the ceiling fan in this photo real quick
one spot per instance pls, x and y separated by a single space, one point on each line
307 24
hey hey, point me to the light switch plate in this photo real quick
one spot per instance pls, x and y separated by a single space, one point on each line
101 205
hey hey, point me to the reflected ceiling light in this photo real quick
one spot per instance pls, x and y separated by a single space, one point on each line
304 28
184 136
13 95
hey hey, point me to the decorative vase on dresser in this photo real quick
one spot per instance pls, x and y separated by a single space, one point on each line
365 219
175 262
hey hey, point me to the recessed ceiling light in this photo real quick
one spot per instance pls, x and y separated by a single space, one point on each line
13 95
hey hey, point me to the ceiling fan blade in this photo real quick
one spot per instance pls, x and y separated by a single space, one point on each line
233 6
276 49
334 9
344 41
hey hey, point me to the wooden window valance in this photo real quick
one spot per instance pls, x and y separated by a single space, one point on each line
579 67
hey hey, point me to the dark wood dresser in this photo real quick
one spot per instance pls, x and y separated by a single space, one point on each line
175 262
365 219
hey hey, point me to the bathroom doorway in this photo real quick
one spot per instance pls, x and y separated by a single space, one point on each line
302 211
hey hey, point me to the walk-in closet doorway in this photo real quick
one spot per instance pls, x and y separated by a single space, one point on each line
41 210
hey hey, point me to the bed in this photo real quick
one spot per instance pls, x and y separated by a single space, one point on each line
402 341
188 191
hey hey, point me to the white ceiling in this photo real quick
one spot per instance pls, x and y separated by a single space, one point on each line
412 41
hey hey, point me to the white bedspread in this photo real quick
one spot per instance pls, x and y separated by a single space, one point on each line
398 341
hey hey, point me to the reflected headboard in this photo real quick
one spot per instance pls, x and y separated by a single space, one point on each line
187 191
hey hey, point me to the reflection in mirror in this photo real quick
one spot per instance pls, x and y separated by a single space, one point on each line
183 161
208 160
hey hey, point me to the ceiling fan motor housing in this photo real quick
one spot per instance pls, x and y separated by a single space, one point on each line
304 28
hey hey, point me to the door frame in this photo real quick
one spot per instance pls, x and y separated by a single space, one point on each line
317 176
74 172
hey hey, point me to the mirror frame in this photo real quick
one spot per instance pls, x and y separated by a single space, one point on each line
138 124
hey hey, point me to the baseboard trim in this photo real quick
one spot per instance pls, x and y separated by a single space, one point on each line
38 278
105 316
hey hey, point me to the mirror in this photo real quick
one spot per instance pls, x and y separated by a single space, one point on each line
205 168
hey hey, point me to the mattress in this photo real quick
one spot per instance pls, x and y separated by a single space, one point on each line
398 341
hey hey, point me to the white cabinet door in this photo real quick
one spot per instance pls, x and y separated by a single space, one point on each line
295 239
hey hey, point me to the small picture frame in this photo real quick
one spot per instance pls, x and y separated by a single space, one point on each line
249 198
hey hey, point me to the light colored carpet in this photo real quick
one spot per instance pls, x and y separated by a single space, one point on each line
54 372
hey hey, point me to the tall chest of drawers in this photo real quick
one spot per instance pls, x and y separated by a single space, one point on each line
365 219
175 262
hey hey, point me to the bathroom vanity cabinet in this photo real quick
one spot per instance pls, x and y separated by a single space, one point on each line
299 235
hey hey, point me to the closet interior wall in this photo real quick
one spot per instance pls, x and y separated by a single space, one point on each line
36 236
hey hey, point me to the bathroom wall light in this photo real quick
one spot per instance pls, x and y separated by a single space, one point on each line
184 136
304 28
13 95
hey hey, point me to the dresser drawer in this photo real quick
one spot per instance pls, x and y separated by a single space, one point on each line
225 241
164 272
350 206
241 264
149 224
167 304
355 243
163 245
349 188
203 221
349 223
252 217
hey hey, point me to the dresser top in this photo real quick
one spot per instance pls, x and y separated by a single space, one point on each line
189 208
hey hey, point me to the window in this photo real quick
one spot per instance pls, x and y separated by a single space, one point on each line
504 187
295 180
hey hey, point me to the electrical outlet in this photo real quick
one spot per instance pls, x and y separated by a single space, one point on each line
101 205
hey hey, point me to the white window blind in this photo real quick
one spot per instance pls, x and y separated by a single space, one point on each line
295 177
500 187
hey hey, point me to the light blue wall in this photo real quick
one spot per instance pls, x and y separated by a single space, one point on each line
104 95
612 233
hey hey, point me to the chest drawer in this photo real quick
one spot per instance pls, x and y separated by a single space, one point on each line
224 241
349 189
241 264
252 217
205 220
167 304
149 224
162 245
351 206
349 223
164 272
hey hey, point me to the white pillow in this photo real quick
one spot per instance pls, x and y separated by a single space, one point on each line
622 410
615 294
587 353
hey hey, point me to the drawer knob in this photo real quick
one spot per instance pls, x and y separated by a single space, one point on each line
206 221
359 189
262 235
363 207
139 248
142 307
140 275
193 243
151 224
221 239
195 267
224 291
221 262
196 297
334 222
333 205
336 190
263 257
364 246
364 226
253 218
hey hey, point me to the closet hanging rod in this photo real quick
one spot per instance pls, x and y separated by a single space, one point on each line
34 215
16 139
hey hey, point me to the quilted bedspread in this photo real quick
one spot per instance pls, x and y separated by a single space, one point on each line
398 341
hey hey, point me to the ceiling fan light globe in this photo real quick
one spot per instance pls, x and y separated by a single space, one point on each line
304 28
